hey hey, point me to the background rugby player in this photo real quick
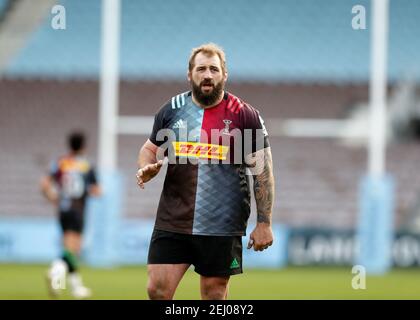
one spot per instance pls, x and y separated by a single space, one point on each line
70 180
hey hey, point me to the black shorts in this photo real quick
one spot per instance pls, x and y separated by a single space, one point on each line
71 220
211 255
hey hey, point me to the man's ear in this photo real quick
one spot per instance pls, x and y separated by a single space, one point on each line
226 76
189 76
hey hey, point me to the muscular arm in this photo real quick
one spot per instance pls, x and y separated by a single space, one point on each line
147 162
262 169
264 189
147 154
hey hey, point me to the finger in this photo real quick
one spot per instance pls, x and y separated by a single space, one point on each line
150 168
159 164
140 183
259 247
266 246
147 168
250 244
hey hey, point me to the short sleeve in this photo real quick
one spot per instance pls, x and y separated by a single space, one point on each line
255 126
91 177
159 124
53 170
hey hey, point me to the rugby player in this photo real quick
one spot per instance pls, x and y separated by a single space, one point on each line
205 202
70 181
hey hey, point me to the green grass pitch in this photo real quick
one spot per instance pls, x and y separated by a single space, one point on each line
19 281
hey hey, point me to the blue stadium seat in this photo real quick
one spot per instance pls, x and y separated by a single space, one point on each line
298 40
3 6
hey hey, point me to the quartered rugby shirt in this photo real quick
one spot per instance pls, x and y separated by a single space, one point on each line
206 189
73 176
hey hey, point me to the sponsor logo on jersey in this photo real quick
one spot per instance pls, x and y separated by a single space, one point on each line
200 150
180 124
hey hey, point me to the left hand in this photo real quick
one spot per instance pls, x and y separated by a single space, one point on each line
261 237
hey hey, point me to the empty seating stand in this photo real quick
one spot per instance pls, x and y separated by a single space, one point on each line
317 179
289 40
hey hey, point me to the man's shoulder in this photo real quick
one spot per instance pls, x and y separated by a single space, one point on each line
69 162
238 105
176 102
179 100
62 159
59 163
84 164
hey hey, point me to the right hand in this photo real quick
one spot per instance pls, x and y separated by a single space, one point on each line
147 173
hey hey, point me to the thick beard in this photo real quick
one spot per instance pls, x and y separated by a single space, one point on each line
207 99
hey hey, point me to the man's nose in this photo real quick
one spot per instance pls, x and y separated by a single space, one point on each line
208 74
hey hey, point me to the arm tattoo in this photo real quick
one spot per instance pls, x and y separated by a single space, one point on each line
264 189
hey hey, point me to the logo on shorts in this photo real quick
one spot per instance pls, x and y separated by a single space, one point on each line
234 264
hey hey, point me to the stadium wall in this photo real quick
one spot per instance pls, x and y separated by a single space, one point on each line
37 240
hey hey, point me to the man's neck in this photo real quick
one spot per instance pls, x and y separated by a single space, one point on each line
211 106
